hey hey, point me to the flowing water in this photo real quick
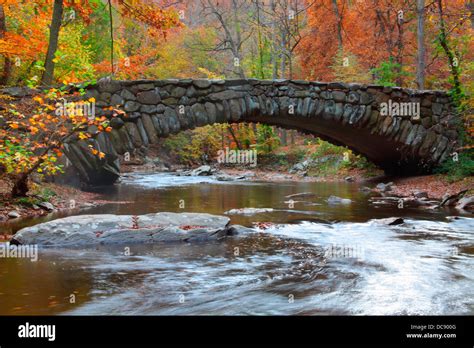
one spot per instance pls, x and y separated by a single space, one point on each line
316 259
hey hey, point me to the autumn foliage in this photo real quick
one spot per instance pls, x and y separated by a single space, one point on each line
364 41
33 141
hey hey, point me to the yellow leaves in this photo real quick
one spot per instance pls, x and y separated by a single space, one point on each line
38 99
42 131
33 130
83 136
92 100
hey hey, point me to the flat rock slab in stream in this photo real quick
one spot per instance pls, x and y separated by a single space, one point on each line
249 211
338 200
302 194
126 229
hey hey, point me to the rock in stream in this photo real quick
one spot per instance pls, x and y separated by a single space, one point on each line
126 229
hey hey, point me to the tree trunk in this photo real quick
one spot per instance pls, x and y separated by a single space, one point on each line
399 58
339 24
420 71
453 63
231 131
283 137
470 7
260 45
111 21
7 66
273 38
56 21
20 187
283 57
238 40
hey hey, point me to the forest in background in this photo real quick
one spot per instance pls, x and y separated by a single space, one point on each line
417 44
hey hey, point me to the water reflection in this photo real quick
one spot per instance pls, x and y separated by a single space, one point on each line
317 259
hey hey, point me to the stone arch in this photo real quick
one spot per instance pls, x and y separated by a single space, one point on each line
344 114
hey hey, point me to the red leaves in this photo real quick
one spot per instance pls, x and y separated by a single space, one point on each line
190 227
135 222
5 237
263 225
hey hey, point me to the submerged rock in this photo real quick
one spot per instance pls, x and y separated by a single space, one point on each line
338 200
225 177
239 230
393 221
126 229
302 194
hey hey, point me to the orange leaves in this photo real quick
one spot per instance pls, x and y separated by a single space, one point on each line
372 33
32 140
158 19
96 152
132 67
27 41
83 8
39 100
33 130
15 45
57 152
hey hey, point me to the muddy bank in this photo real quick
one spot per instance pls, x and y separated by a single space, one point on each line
44 199
436 186
275 176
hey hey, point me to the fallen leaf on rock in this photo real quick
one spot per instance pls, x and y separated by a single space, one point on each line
263 225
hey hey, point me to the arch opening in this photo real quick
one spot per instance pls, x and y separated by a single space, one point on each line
342 114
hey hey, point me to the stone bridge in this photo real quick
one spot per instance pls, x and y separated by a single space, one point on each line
353 115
